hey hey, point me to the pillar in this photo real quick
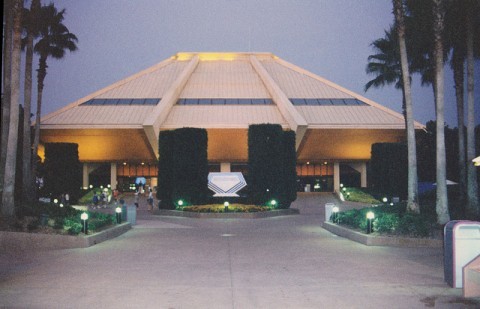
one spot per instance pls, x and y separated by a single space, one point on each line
85 175
225 167
361 167
336 177
113 175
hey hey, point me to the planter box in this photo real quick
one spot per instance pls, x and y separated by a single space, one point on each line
388 241
19 241
228 215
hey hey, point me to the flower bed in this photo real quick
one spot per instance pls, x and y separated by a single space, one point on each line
219 208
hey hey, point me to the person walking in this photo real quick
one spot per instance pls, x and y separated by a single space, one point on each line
136 198
150 200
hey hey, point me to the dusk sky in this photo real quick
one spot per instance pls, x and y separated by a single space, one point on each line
118 38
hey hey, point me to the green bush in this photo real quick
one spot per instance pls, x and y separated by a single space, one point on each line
183 167
388 169
392 220
271 165
165 169
63 172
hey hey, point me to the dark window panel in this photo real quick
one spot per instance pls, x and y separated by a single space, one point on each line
204 101
218 101
244 101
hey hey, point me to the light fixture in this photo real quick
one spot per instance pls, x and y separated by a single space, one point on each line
84 218
341 185
370 217
226 204
109 186
180 203
124 163
273 203
55 201
391 204
118 213
61 205
325 162
308 162
143 163
335 211
90 186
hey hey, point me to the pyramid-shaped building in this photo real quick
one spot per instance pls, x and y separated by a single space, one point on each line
117 127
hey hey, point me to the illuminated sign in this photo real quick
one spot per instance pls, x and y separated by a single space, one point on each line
226 184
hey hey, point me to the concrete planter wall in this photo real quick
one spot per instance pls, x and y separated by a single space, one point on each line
17 241
373 240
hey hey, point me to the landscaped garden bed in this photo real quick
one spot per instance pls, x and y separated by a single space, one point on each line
221 208
51 218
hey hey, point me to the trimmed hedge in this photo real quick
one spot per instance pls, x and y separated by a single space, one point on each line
183 167
389 169
271 164
63 172
165 169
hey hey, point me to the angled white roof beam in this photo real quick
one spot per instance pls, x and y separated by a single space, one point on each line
152 124
296 121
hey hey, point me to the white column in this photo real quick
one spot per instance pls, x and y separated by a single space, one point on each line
336 177
361 167
363 175
85 175
225 167
113 175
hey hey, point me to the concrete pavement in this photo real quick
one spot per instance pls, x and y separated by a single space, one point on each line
282 262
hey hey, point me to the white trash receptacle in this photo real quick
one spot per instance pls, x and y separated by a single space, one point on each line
328 211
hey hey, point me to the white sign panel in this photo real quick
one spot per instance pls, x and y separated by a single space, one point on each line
226 184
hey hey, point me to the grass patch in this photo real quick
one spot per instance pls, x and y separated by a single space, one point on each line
220 208
359 195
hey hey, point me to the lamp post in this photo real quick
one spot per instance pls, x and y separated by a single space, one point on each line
84 217
335 210
385 200
118 212
370 217
273 203
226 204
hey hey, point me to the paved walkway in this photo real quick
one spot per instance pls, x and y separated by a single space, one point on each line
281 262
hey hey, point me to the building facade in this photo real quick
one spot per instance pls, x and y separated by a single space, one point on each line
117 127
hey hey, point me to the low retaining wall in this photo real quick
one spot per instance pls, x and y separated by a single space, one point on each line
18 241
228 215
372 240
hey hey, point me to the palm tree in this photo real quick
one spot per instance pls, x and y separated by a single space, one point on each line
412 203
6 90
472 185
8 201
438 10
55 40
388 64
30 22
455 29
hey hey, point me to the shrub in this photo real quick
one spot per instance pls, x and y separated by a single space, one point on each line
271 165
390 220
388 169
183 167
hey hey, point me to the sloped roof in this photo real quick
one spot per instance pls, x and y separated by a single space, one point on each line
222 76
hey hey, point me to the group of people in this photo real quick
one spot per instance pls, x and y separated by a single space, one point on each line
140 192
102 199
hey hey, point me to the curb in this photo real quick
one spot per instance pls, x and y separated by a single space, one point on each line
20 241
372 240
231 215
